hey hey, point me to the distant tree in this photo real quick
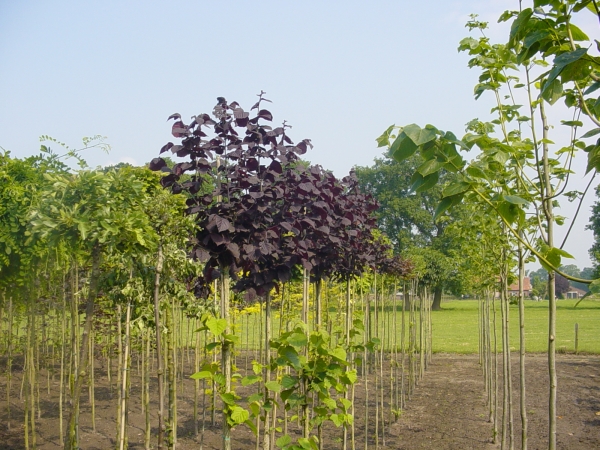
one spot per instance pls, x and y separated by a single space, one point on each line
406 215
594 225
562 286
539 282
588 274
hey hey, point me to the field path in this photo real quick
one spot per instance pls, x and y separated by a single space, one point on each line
447 410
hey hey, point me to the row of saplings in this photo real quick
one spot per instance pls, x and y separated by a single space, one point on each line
265 224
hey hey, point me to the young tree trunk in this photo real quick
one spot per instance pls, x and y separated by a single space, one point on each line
159 352
226 352
71 440
437 299
522 390
124 376
267 370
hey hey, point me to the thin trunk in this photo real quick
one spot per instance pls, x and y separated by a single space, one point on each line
71 442
124 376
522 390
267 371
226 352
159 353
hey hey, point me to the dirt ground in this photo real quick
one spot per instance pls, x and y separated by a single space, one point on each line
446 411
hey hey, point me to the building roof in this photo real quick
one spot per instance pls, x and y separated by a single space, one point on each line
526 285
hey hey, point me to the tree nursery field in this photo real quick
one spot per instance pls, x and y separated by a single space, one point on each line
241 297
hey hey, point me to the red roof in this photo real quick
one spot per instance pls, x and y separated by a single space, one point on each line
526 285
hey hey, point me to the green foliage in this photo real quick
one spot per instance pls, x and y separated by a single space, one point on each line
517 171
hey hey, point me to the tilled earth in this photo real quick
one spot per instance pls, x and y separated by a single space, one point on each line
447 410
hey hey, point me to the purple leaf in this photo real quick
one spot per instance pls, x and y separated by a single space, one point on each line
157 164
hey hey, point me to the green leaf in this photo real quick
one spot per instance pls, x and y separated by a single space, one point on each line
384 139
456 188
335 418
595 287
402 148
515 199
428 182
591 133
283 441
338 353
201 375
560 62
297 339
442 207
431 166
228 399
329 402
519 24
273 386
239 414
216 326
553 256
351 374
509 211
593 160
291 355
592 88
577 34
288 382
552 91
476 172
420 135
250 379
572 123
212 345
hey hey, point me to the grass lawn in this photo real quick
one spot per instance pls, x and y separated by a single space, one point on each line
455 328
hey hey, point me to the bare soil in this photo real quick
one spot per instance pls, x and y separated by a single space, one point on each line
447 410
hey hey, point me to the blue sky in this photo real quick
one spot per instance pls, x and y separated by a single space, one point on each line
340 72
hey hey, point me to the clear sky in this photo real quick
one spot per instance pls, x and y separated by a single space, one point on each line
340 72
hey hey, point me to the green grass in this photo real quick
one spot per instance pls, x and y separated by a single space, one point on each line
455 328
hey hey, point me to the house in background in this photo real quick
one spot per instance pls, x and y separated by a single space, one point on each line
574 292
513 289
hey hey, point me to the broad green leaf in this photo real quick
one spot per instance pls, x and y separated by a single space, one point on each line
560 62
515 199
595 287
329 402
338 353
288 382
577 34
428 182
346 403
563 253
476 172
201 375
250 379
420 135
508 211
384 139
431 166
442 207
402 148
273 386
228 399
351 375
456 188
216 326
518 25
291 355
335 418
297 339
593 159
239 414
553 91
283 441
